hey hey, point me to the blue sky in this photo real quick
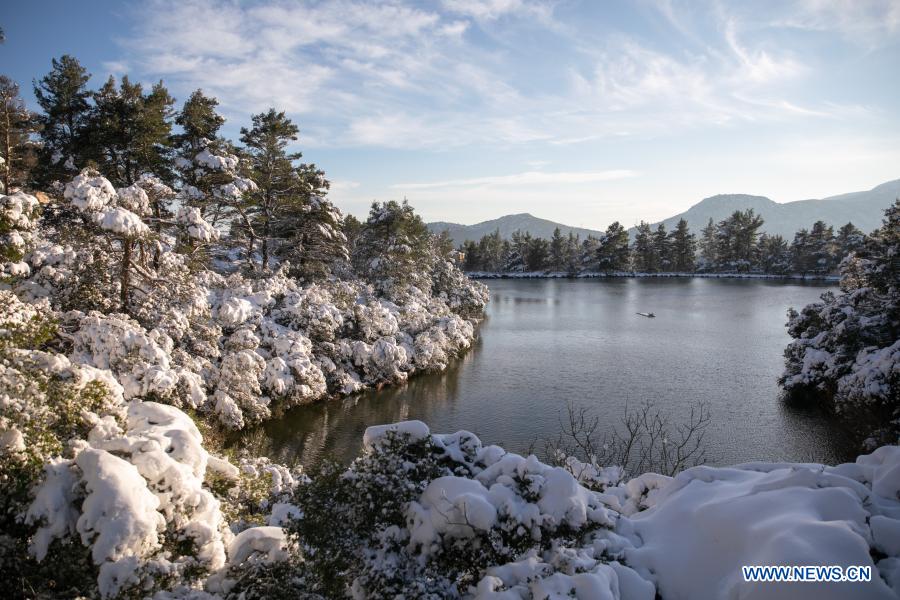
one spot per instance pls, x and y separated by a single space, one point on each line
582 112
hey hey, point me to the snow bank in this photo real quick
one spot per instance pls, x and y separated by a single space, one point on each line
723 519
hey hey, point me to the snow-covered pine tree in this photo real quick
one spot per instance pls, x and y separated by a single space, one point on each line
849 239
846 349
278 184
822 250
393 249
18 220
773 254
310 229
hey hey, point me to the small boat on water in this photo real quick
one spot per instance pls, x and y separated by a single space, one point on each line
651 315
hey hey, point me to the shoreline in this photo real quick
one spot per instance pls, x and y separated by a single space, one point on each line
630 274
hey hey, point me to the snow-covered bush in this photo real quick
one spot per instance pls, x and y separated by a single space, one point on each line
18 220
442 516
846 351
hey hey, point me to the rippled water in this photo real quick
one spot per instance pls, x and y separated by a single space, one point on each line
546 342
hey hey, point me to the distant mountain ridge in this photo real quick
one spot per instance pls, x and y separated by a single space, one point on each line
864 209
507 225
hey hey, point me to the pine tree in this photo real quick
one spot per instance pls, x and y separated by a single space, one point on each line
573 244
272 169
518 251
736 239
489 252
821 239
801 253
662 248
443 244
393 249
200 124
684 248
708 247
309 228
557 258
65 101
773 254
849 239
537 254
473 260
17 153
588 254
613 253
645 257
130 131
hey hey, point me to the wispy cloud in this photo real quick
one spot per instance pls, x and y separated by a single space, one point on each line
397 74
525 178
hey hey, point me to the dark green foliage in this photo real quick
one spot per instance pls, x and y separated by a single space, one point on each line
773 254
344 511
64 99
393 248
708 256
613 253
646 259
736 241
272 168
683 246
129 131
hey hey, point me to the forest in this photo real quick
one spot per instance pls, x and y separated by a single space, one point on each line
733 245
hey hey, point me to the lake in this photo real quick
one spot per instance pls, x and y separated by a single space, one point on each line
546 342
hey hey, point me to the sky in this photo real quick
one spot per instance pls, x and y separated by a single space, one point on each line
582 112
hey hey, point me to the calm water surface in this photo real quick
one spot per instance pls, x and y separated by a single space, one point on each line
547 342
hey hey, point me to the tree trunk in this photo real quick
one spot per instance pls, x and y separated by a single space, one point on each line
125 274
157 212
265 242
7 151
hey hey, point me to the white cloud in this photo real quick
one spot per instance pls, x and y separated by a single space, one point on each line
522 179
494 9
343 185
868 23
398 75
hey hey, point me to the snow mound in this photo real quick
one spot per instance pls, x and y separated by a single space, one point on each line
721 519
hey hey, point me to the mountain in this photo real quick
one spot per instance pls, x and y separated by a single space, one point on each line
507 225
863 209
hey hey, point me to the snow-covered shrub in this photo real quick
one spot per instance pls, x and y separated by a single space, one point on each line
463 295
133 494
18 219
425 514
846 348
441 516
138 300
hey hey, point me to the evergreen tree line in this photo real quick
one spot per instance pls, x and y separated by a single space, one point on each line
267 205
733 245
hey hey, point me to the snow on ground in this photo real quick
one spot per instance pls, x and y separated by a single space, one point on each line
686 540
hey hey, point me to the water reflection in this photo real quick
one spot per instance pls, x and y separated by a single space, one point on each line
547 342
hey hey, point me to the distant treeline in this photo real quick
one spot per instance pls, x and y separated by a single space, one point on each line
733 245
